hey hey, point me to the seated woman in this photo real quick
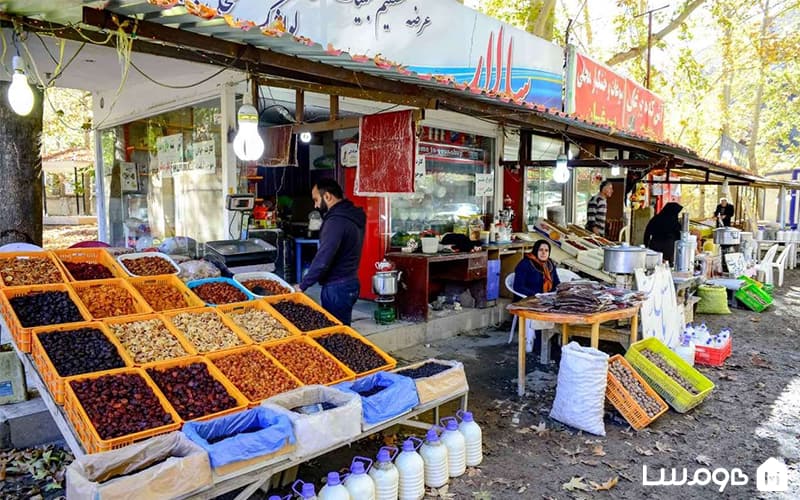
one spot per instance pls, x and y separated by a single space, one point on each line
535 273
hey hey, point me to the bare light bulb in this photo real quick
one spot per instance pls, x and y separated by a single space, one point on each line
20 95
305 137
615 170
561 173
247 144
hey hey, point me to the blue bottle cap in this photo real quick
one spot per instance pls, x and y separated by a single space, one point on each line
451 425
408 445
357 467
466 416
383 455
432 436
334 479
308 490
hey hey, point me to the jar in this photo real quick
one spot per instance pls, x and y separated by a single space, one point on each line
475 228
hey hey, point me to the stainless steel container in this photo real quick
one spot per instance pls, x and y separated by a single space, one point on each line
653 259
684 255
727 236
385 282
623 259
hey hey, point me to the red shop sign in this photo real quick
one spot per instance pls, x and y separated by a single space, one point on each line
644 111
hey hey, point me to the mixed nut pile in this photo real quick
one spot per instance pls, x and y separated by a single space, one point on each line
79 351
259 325
660 362
354 353
206 331
149 266
254 374
148 340
192 391
29 271
304 317
306 362
219 293
635 388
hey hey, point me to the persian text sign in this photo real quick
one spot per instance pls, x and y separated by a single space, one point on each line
598 94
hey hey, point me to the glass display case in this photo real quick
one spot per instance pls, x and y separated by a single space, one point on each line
541 192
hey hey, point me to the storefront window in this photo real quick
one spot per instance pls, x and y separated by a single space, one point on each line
541 192
163 177
587 185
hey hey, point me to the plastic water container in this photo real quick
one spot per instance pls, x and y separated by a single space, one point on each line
334 489
411 471
287 497
434 453
303 490
686 352
456 447
385 475
358 482
473 438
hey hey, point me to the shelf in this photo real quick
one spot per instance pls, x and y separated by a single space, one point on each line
253 177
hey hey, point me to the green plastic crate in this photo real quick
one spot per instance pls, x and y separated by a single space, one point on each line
675 395
754 297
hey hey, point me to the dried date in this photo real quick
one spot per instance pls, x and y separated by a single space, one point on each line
148 340
426 370
20 271
161 297
105 301
634 388
79 351
84 271
304 317
306 362
45 308
354 353
149 266
254 374
219 293
192 391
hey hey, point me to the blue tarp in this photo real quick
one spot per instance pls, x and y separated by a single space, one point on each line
398 396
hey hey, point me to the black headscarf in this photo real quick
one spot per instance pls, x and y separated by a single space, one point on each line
664 229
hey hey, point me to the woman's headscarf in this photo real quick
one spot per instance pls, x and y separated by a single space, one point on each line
542 266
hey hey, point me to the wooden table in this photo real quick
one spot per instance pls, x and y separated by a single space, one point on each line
565 320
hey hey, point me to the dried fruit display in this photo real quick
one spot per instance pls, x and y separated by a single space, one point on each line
148 340
660 362
635 388
161 296
120 404
45 308
254 374
429 369
304 317
206 331
29 271
79 351
265 287
106 301
219 293
149 266
351 351
84 271
307 362
192 390
259 325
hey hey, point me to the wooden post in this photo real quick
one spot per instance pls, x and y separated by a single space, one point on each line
299 106
334 107
521 356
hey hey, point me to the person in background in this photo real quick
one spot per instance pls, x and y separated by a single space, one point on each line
723 213
535 273
664 230
597 208
341 237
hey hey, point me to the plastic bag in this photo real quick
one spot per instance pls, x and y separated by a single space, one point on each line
398 396
581 389
166 466
713 300
273 432
198 269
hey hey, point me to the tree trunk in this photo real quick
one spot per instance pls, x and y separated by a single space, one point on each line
758 100
540 19
21 166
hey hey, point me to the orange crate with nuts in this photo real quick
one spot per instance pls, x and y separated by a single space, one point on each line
631 395
207 330
165 293
300 313
195 388
84 264
112 409
258 320
354 350
64 351
309 362
149 338
257 374
28 307
30 268
110 298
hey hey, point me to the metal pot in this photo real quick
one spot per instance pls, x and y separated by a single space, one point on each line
727 236
385 283
653 259
623 259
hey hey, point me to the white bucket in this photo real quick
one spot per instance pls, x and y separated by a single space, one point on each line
430 245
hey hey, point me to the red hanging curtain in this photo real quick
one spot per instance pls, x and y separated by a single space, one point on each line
386 150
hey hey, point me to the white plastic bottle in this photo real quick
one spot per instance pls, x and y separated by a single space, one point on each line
385 475
358 482
334 489
411 471
434 453
303 490
473 438
456 447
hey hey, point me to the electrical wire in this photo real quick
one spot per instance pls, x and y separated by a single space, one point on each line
187 86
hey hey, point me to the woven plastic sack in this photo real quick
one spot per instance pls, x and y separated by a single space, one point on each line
581 388
713 300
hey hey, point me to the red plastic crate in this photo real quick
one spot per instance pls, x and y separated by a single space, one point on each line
713 356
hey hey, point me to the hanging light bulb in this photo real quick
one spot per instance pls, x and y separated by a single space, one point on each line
20 95
561 173
615 170
305 137
726 190
247 144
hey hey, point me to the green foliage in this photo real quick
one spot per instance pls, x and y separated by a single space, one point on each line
67 120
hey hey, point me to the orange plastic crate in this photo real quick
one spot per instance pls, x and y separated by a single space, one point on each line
85 429
139 303
215 357
191 299
241 401
302 299
243 337
303 339
624 402
62 278
91 256
187 346
389 364
51 377
229 310
21 334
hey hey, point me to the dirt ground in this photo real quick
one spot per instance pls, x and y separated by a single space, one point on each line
57 237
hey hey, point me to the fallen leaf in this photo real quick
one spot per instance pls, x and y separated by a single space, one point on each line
598 451
576 484
540 429
524 430
663 447
760 362
727 376
473 471
605 486
590 463
642 451
702 460
755 319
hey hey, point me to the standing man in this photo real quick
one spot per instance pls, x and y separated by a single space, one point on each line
723 213
335 266
597 208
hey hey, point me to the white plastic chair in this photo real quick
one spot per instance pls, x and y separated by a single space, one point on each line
780 263
764 268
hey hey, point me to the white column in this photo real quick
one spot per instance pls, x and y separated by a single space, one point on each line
229 168
99 189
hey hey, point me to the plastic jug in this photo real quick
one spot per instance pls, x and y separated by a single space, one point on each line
411 471
434 453
473 438
686 352
334 489
385 475
303 490
456 447
358 482
287 497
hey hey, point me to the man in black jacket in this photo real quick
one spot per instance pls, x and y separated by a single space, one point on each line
341 237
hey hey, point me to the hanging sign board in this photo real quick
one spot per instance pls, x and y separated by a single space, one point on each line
348 154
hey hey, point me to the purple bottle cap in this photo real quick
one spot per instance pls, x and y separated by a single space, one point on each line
408 445
308 490
383 455
432 436
466 416
334 479
357 467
